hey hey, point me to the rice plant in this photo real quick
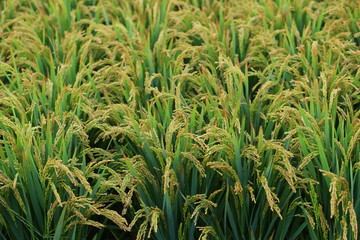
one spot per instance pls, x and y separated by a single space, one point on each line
179 119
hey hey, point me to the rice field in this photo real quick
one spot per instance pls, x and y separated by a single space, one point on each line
179 119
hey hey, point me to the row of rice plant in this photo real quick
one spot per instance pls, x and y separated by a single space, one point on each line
179 119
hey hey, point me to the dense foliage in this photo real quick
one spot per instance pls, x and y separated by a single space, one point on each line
179 119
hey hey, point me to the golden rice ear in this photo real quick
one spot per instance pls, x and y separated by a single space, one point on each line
207 232
271 197
115 217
